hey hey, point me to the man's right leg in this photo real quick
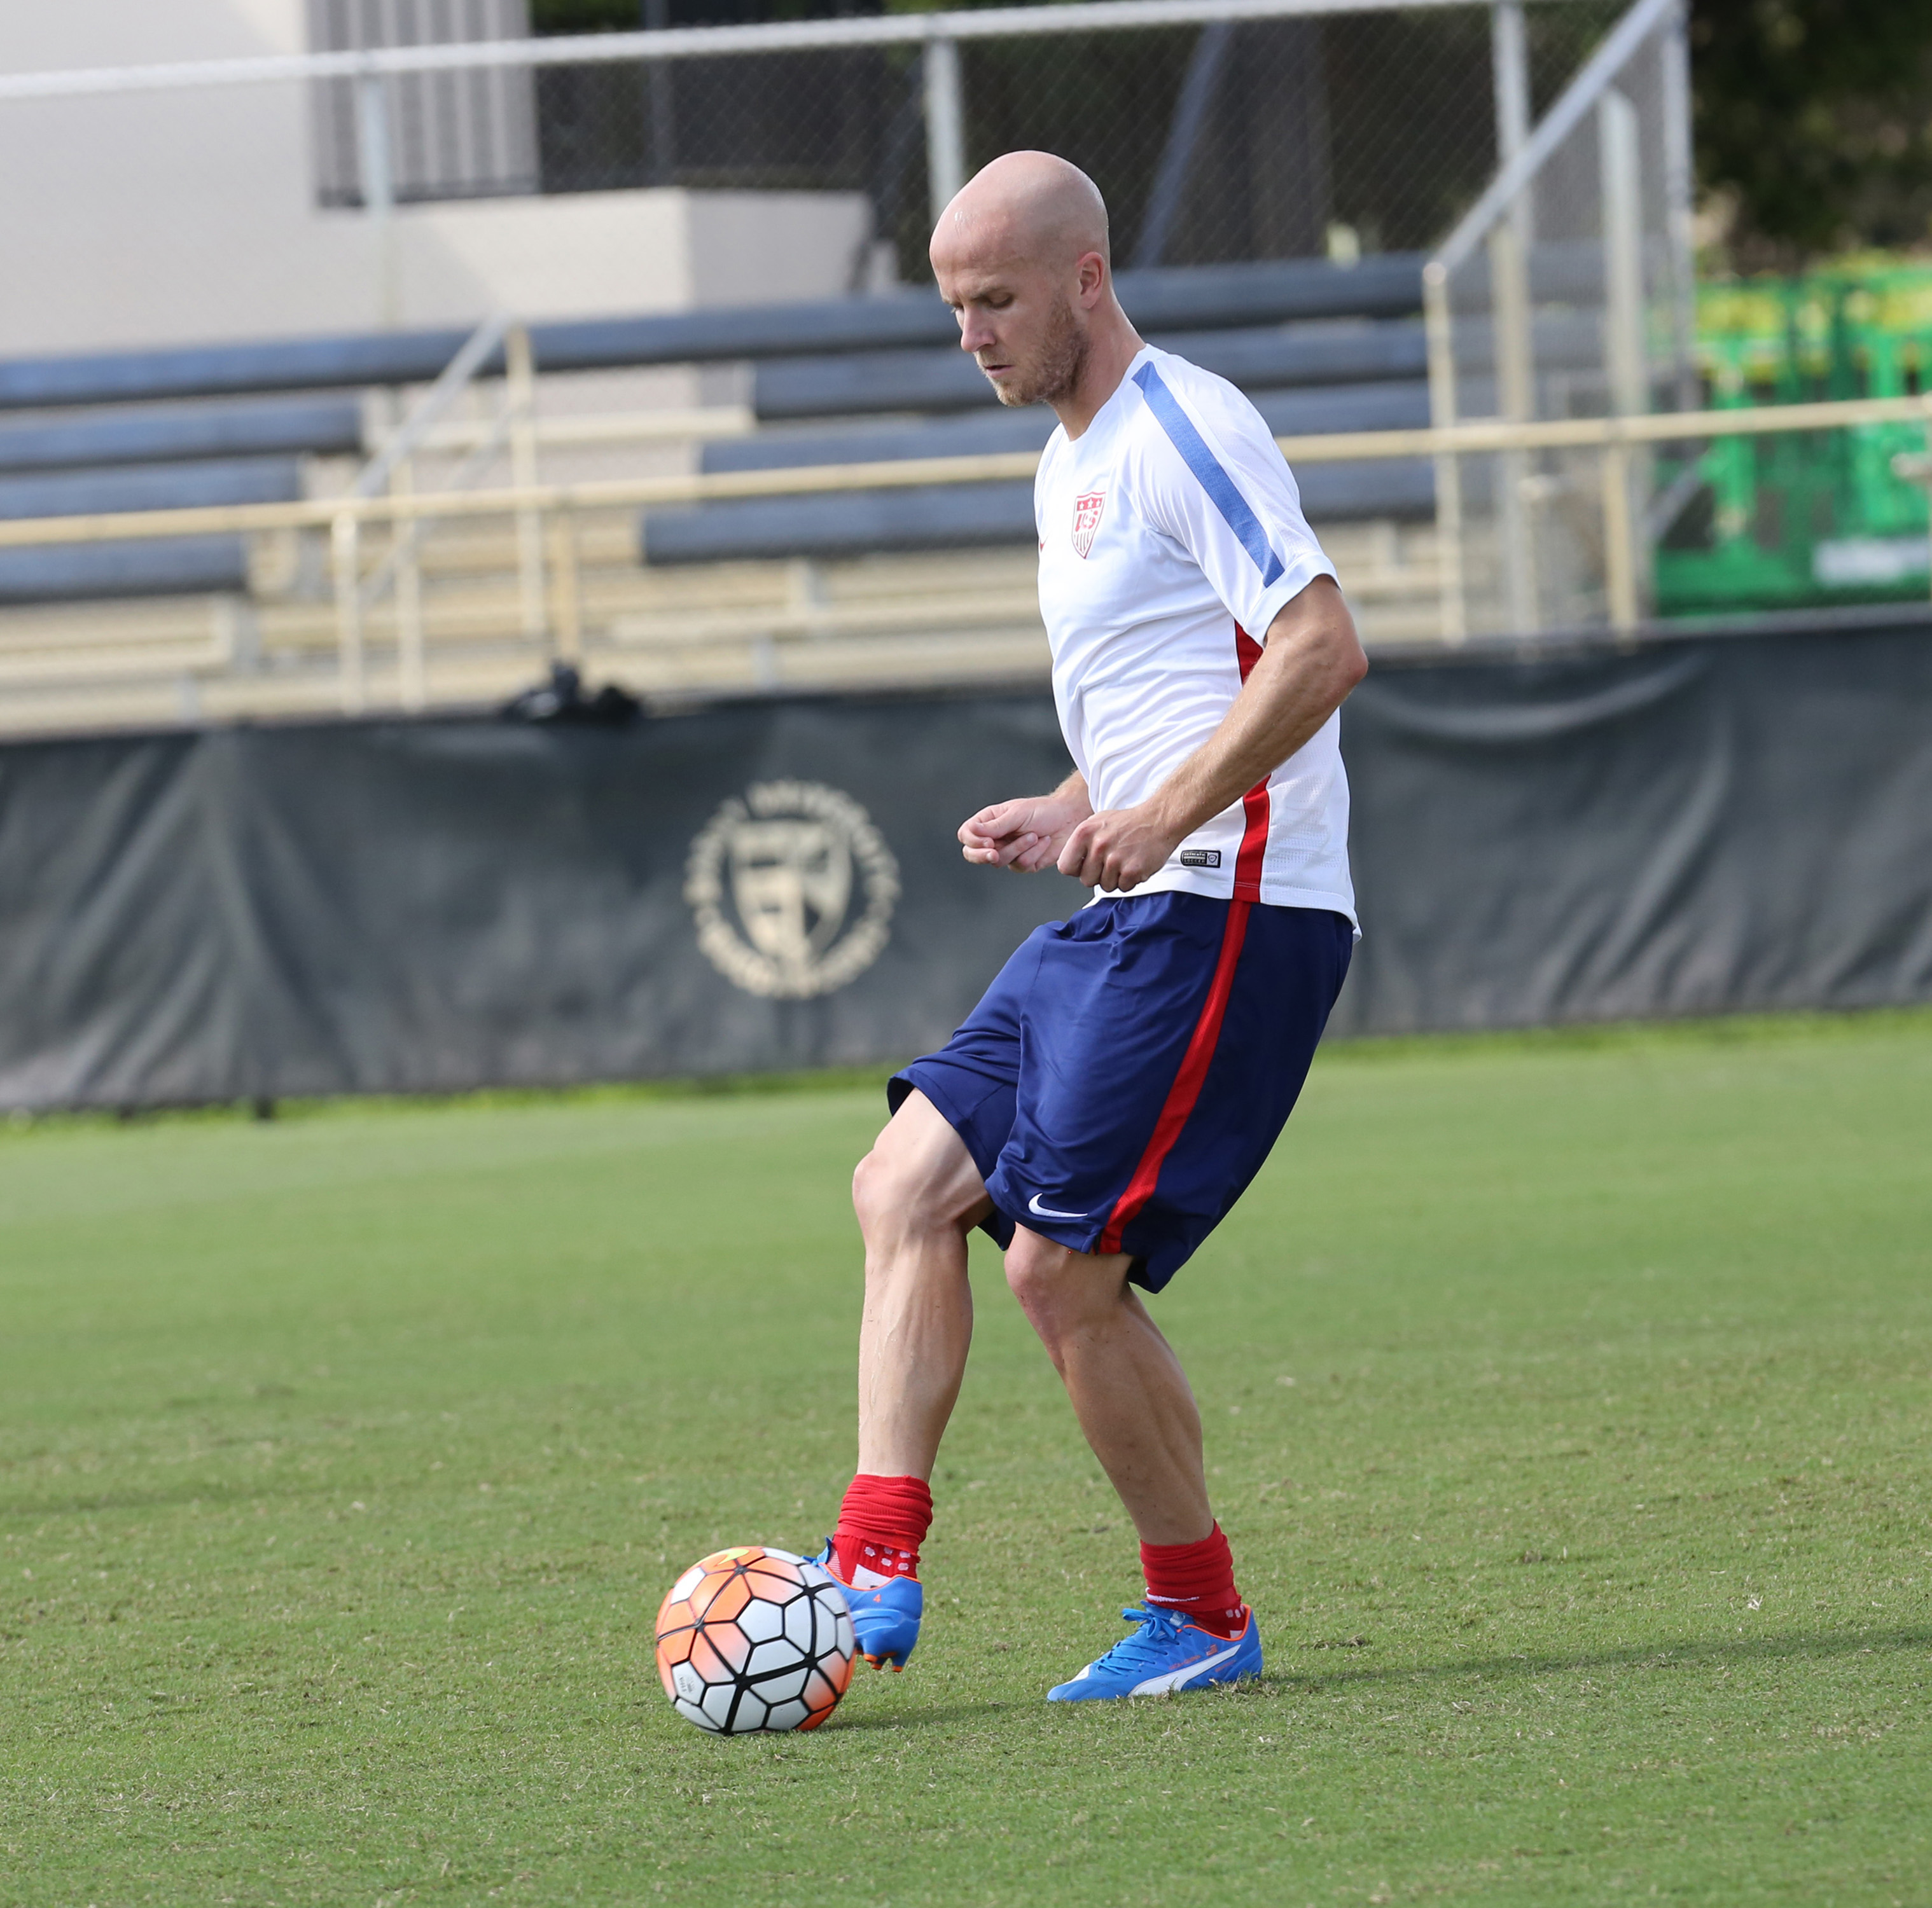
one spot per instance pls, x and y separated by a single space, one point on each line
917 1195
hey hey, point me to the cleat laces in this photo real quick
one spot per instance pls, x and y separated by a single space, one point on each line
1147 1648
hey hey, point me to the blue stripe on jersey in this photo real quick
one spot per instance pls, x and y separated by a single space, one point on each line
1206 467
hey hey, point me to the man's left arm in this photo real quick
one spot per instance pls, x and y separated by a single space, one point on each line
1311 659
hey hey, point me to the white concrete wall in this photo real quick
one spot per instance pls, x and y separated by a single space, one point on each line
180 217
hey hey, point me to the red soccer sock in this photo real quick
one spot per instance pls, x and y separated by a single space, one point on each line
1198 1579
881 1525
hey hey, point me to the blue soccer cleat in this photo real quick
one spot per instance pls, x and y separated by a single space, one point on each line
1165 1654
886 1619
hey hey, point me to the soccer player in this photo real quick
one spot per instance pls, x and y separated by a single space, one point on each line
1129 1069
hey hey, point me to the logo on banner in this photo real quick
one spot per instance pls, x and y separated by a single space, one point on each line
1086 519
793 889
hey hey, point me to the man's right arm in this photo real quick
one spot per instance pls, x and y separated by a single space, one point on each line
1026 835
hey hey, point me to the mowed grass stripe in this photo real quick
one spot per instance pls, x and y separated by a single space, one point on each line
1567 1400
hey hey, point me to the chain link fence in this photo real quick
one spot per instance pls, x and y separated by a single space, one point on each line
1248 130
1567 292
1334 132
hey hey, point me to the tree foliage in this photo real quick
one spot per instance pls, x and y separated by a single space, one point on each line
1815 116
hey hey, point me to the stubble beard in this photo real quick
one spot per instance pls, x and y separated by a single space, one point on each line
1055 373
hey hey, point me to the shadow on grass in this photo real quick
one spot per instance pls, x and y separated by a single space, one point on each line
1689 1654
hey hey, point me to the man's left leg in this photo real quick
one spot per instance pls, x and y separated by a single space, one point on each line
1138 1415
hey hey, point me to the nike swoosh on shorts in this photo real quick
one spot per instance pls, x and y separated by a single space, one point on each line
1047 1213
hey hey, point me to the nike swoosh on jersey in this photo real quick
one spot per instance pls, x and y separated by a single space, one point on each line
1047 1213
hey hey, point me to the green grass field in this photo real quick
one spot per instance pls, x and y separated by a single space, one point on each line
1568 1402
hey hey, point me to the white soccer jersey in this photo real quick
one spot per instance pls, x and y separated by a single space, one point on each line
1170 536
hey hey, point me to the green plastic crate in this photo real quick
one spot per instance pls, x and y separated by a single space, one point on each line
1804 517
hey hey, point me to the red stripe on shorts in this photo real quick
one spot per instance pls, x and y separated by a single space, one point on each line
1188 1081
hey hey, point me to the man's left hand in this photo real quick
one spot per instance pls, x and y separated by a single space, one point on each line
1119 847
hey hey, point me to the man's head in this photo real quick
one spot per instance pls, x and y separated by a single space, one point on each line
1021 255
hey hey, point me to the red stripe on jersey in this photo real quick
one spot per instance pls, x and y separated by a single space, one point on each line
1253 850
1185 1090
1187 1082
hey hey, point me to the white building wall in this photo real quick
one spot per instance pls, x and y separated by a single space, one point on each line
189 216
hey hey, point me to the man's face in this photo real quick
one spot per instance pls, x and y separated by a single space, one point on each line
1020 321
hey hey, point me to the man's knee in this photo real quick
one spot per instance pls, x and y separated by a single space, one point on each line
1031 1264
881 1186
918 1177
1059 1289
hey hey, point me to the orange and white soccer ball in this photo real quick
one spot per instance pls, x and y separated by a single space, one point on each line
754 1639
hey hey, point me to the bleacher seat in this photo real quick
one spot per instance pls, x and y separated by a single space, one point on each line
152 487
170 566
963 516
169 434
1170 299
165 457
1309 376
1328 351
1397 405
159 566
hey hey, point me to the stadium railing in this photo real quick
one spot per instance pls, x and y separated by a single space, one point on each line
1601 187
558 506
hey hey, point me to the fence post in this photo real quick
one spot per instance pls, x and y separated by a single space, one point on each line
568 612
664 122
1675 57
1511 311
1510 319
1623 361
1448 472
345 540
945 122
411 665
1620 566
520 393
1509 61
379 188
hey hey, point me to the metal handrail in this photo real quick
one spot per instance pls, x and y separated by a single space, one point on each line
456 378
686 43
1562 119
1468 439
1499 216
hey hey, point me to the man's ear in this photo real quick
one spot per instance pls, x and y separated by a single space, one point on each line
1092 273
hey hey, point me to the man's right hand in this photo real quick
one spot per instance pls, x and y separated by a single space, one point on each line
1026 835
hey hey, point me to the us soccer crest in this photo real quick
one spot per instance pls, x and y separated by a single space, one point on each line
1086 519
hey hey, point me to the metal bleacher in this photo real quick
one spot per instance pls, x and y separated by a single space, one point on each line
116 460
916 584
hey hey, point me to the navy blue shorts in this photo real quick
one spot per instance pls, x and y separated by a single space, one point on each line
1130 1069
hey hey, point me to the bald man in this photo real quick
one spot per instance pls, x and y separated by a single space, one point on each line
1129 1070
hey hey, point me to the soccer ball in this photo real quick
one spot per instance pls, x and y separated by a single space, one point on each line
754 1639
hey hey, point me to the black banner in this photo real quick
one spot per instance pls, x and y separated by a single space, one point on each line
423 906
1688 827
1701 826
